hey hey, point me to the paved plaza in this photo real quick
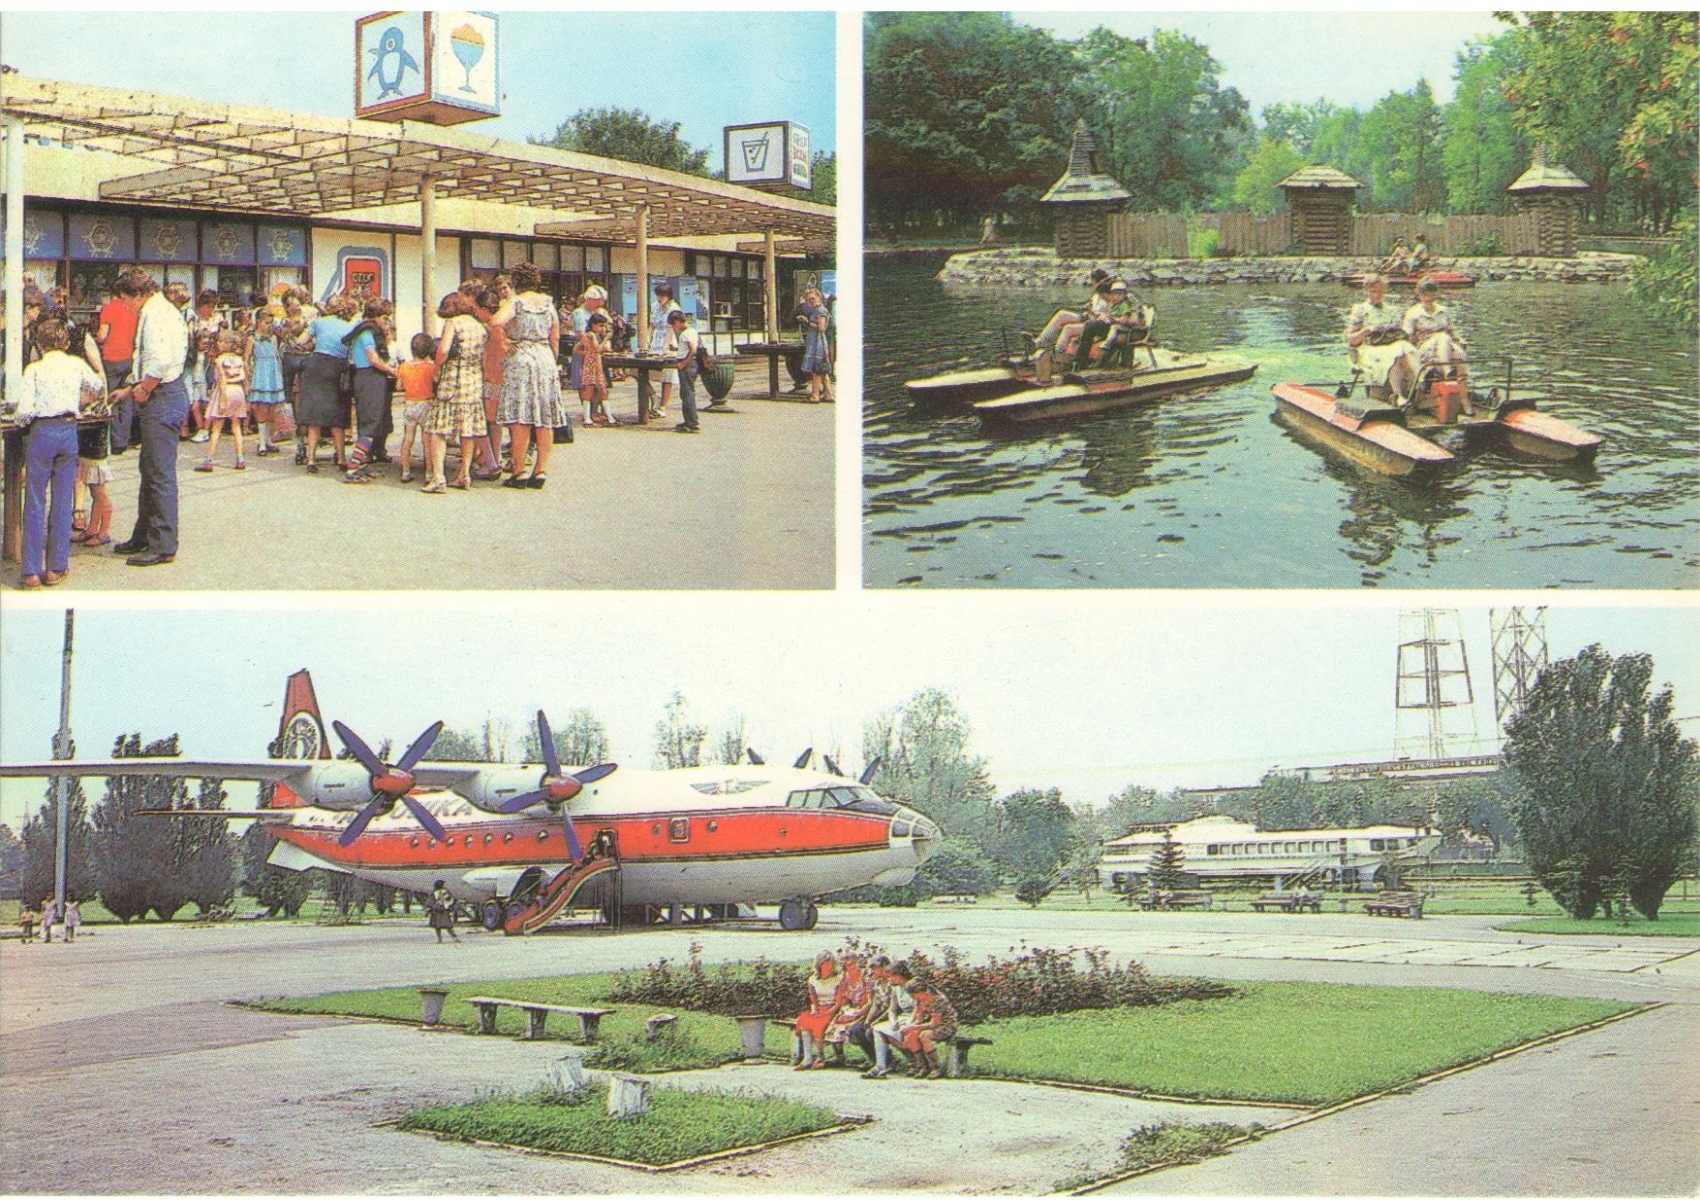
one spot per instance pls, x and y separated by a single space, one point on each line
747 503
174 1091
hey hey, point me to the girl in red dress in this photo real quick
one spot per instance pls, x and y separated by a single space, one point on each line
823 1004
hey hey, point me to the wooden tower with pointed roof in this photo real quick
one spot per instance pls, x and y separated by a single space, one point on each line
1321 199
1552 194
1083 199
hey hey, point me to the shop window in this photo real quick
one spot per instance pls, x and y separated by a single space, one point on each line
572 259
737 268
514 253
595 260
484 254
546 256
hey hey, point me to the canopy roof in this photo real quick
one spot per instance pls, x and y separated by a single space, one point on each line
269 161
1544 175
1084 182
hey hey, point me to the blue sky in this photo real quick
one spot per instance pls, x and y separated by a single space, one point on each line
703 70
1084 692
1352 58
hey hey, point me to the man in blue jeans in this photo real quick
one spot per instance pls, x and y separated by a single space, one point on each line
162 403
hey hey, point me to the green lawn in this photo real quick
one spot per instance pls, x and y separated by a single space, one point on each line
1290 1042
1669 924
680 1124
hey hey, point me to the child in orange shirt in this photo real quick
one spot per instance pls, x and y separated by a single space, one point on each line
418 383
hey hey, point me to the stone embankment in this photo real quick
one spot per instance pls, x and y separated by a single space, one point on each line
1043 269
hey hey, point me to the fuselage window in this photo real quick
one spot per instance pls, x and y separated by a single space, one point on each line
796 799
814 800
843 797
679 829
1376 843
901 829
1212 849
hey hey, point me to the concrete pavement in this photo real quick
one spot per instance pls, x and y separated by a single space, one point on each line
747 503
174 1092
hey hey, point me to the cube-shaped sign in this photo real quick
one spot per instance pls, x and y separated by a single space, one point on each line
439 67
774 154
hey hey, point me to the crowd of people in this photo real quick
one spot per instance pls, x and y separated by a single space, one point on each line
161 366
1397 348
876 1006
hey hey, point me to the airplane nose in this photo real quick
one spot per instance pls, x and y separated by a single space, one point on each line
921 834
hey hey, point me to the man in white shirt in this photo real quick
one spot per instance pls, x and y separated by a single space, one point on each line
162 402
681 348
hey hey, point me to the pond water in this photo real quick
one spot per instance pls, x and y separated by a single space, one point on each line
1209 490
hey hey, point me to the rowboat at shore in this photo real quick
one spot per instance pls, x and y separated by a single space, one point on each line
1406 441
1012 394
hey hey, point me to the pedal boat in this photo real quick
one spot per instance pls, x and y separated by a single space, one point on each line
1407 441
1012 393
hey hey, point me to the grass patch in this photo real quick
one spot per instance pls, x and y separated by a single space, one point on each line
1299 1043
1669 924
680 1125
695 1040
1167 1145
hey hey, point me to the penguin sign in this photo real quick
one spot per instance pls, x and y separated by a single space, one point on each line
438 67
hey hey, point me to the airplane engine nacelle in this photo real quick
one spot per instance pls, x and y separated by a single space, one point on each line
341 786
499 784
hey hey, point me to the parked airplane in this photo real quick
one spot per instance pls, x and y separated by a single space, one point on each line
523 842
1220 847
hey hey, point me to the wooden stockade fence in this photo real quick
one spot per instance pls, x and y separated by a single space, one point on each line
1164 235
1147 235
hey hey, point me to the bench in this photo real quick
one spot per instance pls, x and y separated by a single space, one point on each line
1169 901
956 1062
1396 904
1288 902
589 1019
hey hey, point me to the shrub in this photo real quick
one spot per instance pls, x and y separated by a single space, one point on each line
1486 246
1666 280
1202 243
1035 981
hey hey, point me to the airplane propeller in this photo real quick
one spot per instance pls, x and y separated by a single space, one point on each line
389 782
868 772
555 789
803 759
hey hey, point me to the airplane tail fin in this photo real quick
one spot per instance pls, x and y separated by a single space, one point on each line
300 732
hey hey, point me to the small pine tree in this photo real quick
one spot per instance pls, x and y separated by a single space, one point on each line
1168 864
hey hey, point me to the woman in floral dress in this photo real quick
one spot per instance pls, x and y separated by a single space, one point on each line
531 379
458 408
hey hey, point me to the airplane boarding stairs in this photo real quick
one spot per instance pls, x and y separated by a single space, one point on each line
557 893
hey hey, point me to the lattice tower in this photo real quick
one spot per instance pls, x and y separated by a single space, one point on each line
1434 704
1519 655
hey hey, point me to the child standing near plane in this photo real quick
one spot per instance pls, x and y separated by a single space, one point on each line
73 918
49 918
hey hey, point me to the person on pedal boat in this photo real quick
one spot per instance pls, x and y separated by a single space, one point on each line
1376 344
1127 319
1428 327
1062 331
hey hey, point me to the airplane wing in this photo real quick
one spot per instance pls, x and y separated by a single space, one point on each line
269 770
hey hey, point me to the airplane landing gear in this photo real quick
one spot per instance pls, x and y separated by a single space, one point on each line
798 915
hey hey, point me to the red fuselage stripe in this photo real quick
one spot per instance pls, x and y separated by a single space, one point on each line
642 837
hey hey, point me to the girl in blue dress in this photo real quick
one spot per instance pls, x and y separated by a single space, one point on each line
265 378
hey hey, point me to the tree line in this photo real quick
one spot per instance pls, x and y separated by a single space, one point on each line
1599 797
973 113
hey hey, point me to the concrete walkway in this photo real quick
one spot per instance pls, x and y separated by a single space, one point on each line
747 503
175 1092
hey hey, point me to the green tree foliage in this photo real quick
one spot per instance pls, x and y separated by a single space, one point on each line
11 864
678 739
1285 801
40 840
1271 162
1399 142
1166 127
1034 833
132 852
1483 152
488 743
1296 123
823 178
1168 865
1609 783
581 740
966 113
278 891
925 761
958 869
631 135
1666 280
729 747
204 853
1614 95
